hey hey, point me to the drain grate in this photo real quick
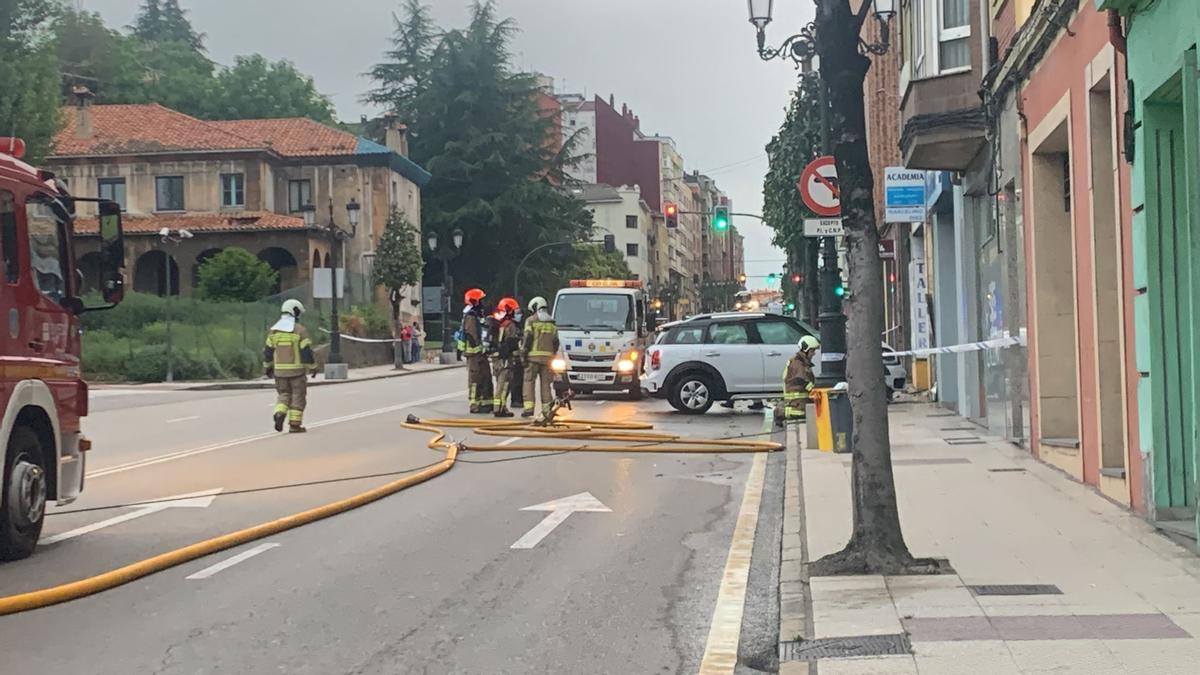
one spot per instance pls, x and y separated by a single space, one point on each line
840 647
965 441
1007 469
1016 589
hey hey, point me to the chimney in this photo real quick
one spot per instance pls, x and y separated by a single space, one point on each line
84 121
625 111
396 134
612 101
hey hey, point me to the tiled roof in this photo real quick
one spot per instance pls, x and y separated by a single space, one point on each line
238 221
143 128
295 136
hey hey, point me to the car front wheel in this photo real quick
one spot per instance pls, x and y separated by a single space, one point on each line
692 394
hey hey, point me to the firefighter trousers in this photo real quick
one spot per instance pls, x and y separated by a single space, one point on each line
292 396
503 371
537 378
479 382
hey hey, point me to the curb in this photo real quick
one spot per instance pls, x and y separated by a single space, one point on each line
267 384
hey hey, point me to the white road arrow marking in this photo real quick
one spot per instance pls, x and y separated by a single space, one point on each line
191 500
560 510
231 561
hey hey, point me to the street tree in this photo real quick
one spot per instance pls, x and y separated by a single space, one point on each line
164 22
397 260
593 262
797 143
401 78
876 543
29 79
235 274
92 55
257 88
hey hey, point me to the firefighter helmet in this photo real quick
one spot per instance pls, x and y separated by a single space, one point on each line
474 295
293 307
508 305
537 304
809 343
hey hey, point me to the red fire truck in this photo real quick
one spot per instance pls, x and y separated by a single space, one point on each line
42 392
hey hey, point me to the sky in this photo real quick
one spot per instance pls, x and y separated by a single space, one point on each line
688 68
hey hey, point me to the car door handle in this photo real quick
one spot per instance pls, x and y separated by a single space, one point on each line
712 353
774 353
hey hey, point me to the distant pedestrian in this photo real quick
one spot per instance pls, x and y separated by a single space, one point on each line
405 344
418 339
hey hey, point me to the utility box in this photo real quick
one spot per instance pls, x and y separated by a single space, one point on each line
834 419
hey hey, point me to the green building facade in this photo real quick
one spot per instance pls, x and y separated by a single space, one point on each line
1164 146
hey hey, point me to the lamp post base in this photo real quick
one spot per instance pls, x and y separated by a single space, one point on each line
448 357
337 371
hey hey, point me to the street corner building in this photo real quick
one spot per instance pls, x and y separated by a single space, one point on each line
235 183
1061 144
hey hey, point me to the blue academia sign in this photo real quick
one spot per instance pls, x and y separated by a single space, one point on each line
904 195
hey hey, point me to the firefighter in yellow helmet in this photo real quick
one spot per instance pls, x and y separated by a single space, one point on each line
479 373
539 345
798 379
288 357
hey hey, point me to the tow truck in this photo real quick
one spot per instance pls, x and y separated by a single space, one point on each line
42 392
602 327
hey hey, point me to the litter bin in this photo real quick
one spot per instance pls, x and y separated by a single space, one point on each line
834 420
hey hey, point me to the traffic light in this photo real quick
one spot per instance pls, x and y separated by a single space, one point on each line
741 278
796 279
720 221
840 290
791 307
771 278
671 211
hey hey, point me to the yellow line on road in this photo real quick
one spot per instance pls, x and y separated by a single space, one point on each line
721 650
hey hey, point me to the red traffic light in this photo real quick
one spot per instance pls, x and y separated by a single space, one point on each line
796 278
670 210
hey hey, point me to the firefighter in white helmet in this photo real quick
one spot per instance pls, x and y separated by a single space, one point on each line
539 345
288 357
798 379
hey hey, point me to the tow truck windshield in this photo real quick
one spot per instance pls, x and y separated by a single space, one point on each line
594 311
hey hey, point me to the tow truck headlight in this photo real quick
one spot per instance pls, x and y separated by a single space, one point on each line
558 364
627 363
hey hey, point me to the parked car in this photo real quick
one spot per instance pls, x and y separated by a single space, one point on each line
728 357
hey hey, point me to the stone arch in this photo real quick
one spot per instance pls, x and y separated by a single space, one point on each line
149 275
316 262
90 272
284 263
327 260
201 258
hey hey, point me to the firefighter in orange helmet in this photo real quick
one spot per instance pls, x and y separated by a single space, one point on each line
506 352
479 375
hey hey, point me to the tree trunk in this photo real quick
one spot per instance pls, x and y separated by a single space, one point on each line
876 543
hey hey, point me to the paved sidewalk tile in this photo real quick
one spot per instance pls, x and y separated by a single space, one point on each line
849 606
957 658
868 665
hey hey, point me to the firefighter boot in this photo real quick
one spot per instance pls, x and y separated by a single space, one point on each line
280 418
296 429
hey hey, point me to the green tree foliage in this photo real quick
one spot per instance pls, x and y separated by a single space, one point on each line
29 80
235 274
397 258
256 88
592 262
477 128
164 22
93 55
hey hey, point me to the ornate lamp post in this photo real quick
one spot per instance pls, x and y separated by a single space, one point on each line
336 236
446 254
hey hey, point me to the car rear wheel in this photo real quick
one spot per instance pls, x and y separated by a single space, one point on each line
22 495
692 393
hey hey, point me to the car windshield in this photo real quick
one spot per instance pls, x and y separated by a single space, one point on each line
594 311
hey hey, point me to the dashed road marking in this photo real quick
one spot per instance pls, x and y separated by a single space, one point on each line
183 419
231 561
509 441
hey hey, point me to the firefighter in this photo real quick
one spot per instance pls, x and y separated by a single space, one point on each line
288 357
479 375
539 345
517 367
798 379
506 355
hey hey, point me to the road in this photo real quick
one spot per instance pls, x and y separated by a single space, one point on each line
425 581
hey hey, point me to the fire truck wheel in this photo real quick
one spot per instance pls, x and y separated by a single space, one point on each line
23 503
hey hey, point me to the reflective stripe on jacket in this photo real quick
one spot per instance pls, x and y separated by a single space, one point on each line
288 352
470 325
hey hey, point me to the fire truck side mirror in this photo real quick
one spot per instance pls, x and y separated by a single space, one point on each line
112 253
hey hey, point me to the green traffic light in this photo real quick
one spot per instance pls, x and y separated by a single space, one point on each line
720 224
839 291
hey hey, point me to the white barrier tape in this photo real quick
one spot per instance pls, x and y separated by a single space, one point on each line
995 343
358 339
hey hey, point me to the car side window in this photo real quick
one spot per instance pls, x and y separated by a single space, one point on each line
687 335
778 333
728 334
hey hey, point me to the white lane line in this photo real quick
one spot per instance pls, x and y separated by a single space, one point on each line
230 562
172 456
601 402
721 650
509 441
183 419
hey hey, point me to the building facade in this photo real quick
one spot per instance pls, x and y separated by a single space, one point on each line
622 213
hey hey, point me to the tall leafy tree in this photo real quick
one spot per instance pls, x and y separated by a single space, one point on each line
256 88
164 22
403 75
797 143
93 55
29 79
397 260
177 72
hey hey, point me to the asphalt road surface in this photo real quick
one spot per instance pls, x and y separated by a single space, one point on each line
425 581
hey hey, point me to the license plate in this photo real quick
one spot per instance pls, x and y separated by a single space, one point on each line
592 377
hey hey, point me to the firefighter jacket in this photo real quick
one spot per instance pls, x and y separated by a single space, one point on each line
472 327
508 340
289 353
798 378
540 342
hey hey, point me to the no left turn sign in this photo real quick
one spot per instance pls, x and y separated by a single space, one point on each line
819 189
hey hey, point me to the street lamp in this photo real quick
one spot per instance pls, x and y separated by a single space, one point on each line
446 254
169 236
336 236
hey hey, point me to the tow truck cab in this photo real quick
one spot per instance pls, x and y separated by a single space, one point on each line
603 327
42 392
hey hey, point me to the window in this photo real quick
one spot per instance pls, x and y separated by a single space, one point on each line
778 333
686 335
47 249
299 194
8 235
233 190
954 49
631 222
168 193
631 250
112 189
728 334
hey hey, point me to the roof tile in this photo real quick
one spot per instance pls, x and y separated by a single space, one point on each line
239 221
144 128
295 136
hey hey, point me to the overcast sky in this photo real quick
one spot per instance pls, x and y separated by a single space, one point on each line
688 68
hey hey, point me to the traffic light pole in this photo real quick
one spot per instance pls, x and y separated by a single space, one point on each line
832 320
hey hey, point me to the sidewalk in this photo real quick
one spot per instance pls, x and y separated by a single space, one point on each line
1122 598
356 375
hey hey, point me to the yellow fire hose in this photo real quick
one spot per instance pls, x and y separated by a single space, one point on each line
568 429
